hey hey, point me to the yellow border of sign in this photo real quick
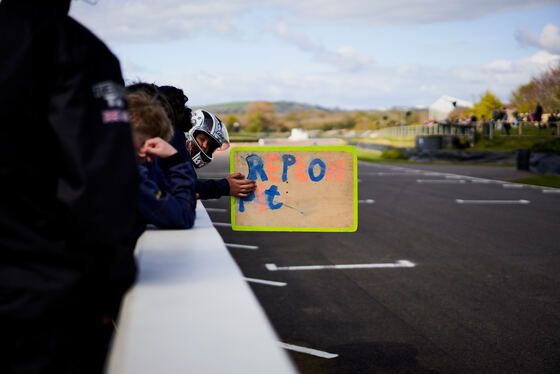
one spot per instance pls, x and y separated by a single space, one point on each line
339 148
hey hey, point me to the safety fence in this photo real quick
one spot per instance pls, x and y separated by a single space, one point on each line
191 311
486 128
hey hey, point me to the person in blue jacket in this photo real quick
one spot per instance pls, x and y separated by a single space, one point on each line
167 196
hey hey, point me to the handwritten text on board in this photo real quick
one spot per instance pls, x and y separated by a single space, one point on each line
308 187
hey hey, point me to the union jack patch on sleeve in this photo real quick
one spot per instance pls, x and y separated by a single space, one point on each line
116 115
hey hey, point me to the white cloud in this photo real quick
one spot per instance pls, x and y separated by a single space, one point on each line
377 87
345 58
405 12
356 83
163 20
549 38
503 76
157 21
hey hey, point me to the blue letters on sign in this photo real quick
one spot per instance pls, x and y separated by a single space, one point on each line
270 193
323 167
256 169
243 200
289 160
255 164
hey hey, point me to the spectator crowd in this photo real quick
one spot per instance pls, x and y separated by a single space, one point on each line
504 118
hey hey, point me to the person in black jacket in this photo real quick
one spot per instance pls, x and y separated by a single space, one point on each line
68 191
181 118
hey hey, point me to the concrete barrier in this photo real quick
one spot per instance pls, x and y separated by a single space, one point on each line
190 311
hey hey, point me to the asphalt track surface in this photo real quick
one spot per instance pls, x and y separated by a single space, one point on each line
483 296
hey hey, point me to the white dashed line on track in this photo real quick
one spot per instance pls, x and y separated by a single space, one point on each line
454 177
221 224
398 264
391 174
242 246
434 174
366 201
497 202
441 181
309 351
216 210
266 282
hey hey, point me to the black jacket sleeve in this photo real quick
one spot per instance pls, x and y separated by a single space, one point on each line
212 188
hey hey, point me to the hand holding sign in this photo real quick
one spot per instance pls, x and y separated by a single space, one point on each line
239 186
297 188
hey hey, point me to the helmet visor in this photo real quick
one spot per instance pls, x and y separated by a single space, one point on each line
212 126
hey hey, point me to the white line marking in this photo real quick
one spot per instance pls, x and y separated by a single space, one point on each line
551 191
309 351
513 185
243 246
220 210
454 177
268 283
367 201
221 224
441 181
398 264
383 173
435 174
428 173
461 201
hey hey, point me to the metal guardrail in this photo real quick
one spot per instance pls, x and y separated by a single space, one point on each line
487 128
191 311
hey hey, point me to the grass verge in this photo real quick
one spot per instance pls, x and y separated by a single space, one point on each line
508 143
379 156
368 155
394 141
541 180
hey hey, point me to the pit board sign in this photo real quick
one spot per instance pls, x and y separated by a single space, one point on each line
312 188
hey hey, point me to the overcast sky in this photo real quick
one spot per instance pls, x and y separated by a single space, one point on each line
351 54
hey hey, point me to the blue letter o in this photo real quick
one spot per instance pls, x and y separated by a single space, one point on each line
323 167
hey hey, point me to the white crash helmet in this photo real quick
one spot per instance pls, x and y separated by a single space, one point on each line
207 123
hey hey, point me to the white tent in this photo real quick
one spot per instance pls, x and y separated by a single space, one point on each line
441 108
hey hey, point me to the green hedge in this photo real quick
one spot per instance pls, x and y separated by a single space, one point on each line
393 154
549 146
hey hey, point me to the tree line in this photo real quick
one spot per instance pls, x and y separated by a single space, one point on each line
260 116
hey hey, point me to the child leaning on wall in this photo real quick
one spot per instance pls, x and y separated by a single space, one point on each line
167 200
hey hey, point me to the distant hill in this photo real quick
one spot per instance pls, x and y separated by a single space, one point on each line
290 107
228 108
279 107
416 109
